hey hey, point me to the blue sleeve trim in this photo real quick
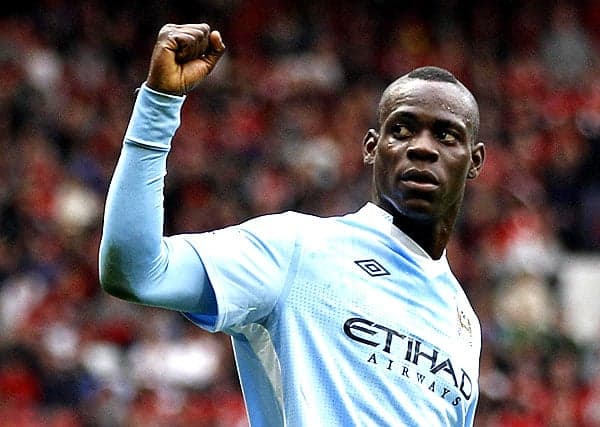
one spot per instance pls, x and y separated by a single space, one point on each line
208 322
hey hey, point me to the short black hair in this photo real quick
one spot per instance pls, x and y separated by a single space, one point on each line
432 73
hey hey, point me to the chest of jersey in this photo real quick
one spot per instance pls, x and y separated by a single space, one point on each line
385 323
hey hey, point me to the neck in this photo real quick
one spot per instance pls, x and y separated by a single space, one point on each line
432 236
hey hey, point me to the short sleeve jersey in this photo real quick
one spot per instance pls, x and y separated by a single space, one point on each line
341 321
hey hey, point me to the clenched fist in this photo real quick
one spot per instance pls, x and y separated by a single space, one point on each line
183 55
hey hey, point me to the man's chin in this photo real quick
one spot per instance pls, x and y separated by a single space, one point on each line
419 214
414 209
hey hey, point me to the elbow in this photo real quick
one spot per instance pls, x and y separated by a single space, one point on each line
112 285
113 275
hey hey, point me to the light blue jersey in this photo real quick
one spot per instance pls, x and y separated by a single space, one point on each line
341 321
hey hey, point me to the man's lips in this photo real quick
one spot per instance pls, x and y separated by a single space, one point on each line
422 180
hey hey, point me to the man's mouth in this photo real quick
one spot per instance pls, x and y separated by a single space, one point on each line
422 180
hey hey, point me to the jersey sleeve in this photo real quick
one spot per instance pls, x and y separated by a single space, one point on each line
248 266
136 262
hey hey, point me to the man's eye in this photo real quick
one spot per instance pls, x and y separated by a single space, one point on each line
447 137
401 131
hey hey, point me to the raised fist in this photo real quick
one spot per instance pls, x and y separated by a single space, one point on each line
183 55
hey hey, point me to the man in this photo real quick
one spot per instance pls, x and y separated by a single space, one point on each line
346 321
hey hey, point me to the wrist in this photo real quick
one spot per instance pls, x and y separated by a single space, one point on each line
155 118
159 92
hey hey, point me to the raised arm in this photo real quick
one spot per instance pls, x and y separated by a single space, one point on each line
136 262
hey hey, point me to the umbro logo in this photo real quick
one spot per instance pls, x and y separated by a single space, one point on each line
372 267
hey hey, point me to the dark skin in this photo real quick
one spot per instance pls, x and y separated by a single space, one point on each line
183 56
422 156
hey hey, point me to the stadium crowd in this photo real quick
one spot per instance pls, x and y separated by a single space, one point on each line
279 126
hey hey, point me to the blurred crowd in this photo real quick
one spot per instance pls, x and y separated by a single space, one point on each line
277 126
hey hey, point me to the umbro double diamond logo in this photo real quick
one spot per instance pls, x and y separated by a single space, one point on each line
372 267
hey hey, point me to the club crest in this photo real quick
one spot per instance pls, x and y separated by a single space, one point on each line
464 327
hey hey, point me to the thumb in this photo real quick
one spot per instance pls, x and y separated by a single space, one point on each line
216 49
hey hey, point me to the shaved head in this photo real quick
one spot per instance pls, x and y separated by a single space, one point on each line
391 94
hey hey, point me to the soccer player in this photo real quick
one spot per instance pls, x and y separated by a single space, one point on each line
353 320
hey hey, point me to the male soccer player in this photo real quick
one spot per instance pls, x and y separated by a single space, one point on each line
354 320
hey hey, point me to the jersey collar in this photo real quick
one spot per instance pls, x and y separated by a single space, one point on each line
386 220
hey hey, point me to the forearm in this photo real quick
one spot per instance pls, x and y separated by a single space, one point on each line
136 263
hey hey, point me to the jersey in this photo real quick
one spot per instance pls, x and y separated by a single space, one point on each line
342 321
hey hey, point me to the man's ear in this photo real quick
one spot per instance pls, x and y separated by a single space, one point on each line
369 145
477 159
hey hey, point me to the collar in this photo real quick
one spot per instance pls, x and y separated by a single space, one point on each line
384 220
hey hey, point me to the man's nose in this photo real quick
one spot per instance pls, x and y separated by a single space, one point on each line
423 147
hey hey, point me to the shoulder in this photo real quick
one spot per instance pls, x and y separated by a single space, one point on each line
291 222
285 230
